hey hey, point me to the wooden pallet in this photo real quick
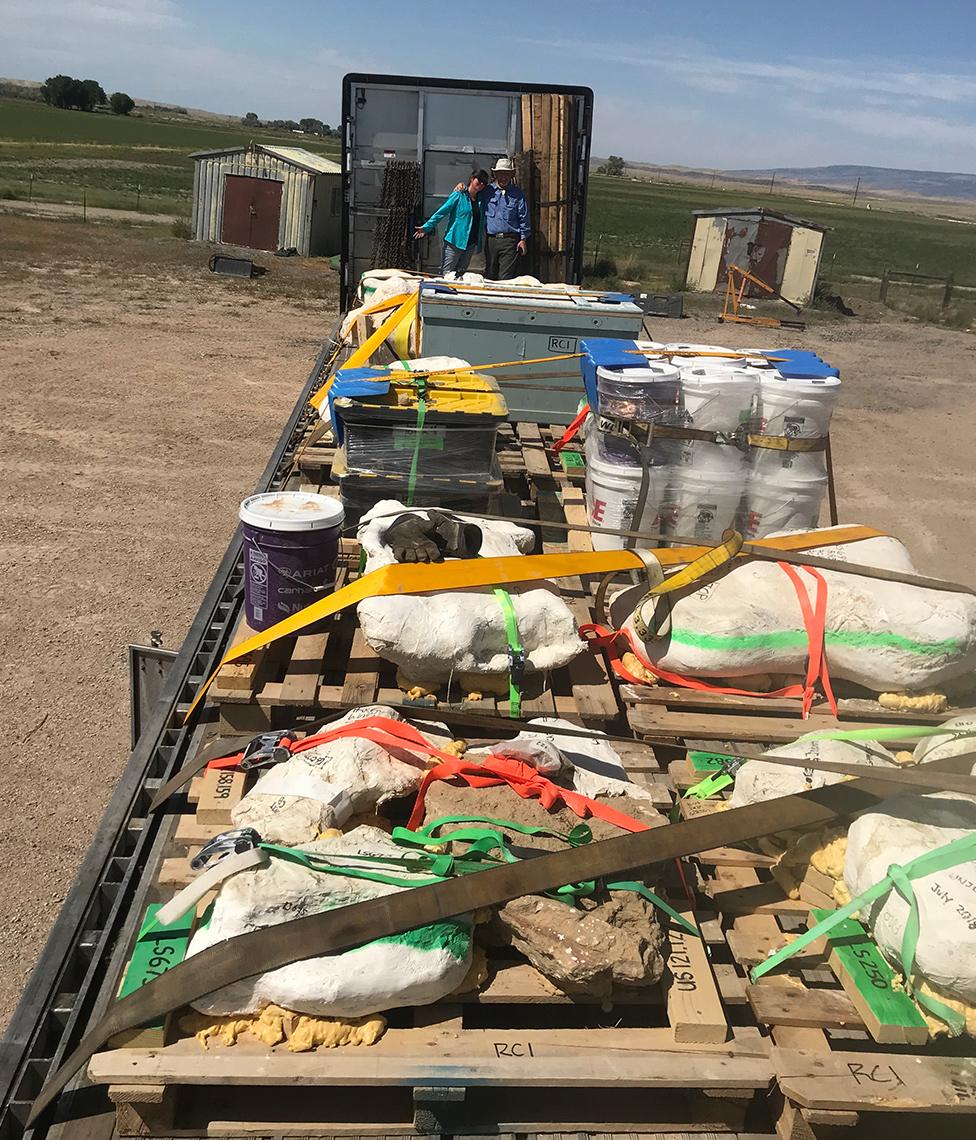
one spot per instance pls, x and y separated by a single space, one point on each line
669 714
334 668
566 1063
835 1063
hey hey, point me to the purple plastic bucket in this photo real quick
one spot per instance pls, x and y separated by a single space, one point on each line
291 546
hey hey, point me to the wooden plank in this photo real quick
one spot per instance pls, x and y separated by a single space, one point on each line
751 944
362 673
882 1082
687 699
595 1058
239 675
221 789
729 896
654 722
301 682
892 1018
694 1006
798 1006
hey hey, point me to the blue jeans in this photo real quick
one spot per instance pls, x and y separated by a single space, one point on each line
454 260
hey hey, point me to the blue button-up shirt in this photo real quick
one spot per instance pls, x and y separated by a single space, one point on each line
506 211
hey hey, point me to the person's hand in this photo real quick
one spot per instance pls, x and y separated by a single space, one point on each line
523 247
461 186
419 233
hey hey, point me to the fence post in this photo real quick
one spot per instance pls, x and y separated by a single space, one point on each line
84 205
883 294
947 294
30 188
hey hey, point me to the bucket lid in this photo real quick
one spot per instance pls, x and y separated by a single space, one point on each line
291 510
776 381
650 373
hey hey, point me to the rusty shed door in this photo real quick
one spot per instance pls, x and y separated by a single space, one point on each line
769 255
252 211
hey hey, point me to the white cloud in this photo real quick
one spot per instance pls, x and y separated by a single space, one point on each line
683 102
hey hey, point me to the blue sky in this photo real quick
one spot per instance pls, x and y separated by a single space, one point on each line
879 82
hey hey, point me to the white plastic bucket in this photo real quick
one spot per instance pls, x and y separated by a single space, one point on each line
611 500
699 506
650 393
719 398
800 409
782 501
797 408
718 462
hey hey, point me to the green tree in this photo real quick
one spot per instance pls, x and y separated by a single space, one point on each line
121 103
312 126
57 90
94 95
250 119
613 166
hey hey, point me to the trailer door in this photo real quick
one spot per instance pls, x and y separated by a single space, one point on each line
448 127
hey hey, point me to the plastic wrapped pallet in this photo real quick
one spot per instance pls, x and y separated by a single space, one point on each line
444 426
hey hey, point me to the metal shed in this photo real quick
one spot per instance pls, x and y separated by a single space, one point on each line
268 197
784 252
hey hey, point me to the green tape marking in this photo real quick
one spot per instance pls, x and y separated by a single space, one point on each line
707 761
156 950
870 974
797 639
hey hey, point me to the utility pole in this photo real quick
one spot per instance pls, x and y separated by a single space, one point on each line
771 181
856 188
712 183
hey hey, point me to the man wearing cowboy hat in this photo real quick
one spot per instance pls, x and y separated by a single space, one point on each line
506 221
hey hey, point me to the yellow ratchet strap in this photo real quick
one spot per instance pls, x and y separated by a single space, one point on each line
711 560
464 574
787 443
405 311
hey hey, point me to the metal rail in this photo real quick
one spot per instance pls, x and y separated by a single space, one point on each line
77 969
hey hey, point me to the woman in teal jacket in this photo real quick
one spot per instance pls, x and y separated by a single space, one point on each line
465 223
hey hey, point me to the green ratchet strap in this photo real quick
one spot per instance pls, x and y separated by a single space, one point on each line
421 418
516 653
887 732
717 781
900 879
484 843
712 784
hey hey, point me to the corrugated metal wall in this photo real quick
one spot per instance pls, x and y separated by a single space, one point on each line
297 194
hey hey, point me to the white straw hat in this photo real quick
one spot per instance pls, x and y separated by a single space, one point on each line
504 164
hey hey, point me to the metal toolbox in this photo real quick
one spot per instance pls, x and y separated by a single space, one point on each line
494 323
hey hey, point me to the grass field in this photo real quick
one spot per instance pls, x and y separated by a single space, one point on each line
636 231
115 161
646 228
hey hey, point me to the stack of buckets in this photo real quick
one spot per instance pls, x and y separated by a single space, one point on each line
697 489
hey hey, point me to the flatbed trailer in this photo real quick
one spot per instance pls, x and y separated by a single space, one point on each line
705 1053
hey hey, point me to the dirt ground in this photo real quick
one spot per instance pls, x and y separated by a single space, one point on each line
142 396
